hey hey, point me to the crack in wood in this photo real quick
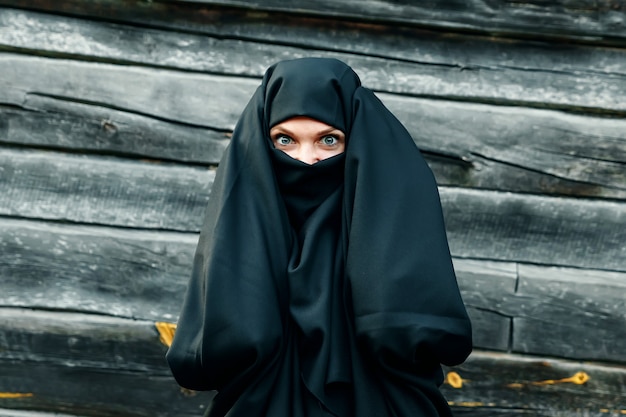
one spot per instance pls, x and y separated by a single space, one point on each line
546 172
112 107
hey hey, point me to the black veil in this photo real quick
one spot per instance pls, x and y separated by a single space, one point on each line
323 289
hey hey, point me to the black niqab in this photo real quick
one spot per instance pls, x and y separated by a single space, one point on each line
325 289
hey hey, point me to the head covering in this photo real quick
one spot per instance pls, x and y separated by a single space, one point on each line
323 289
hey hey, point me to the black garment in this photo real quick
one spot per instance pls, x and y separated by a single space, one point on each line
325 289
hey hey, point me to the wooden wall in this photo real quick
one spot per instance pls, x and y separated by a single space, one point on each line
113 117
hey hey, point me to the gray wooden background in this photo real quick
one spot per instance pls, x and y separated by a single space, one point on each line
113 117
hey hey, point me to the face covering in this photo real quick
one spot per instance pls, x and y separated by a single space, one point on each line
324 289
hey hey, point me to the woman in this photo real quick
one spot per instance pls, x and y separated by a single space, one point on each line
322 283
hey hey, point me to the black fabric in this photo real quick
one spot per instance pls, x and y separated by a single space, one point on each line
325 289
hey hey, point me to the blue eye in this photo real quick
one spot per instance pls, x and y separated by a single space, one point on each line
329 140
283 140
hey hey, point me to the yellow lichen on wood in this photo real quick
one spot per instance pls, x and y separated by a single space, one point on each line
166 332
578 378
469 404
454 380
12 395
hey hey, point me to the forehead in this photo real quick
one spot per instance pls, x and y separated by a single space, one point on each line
302 124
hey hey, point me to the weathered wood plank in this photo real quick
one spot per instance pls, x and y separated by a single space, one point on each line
80 346
110 392
478 157
528 75
23 413
583 312
557 19
68 125
589 22
143 275
89 269
486 287
480 224
262 39
278 38
179 97
487 384
550 143
98 341
536 386
81 340
535 229
494 147
116 272
78 188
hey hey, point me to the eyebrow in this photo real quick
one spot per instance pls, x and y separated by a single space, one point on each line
320 133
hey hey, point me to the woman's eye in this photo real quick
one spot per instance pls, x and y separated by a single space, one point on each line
282 140
329 140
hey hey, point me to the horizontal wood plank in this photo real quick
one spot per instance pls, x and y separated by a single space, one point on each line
26 413
111 191
81 340
76 127
496 147
261 39
88 269
563 19
464 157
501 73
535 386
109 271
486 384
480 224
174 96
535 229
486 287
558 18
544 150
584 312
96 392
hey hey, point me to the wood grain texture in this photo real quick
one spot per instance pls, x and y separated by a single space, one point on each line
536 386
480 224
486 384
108 271
81 340
67 125
111 191
487 288
485 146
173 96
209 33
143 275
583 312
108 392
26 413
598 22
546 150
558 18
456 68
551 159
535 229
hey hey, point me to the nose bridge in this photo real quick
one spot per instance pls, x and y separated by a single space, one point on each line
308 152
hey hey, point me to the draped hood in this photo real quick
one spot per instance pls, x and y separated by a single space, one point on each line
324 289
